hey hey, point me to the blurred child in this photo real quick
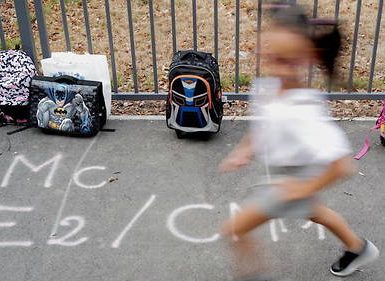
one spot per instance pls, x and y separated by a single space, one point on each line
304 152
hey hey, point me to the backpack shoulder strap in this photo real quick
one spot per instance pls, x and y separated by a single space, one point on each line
26 127
366 146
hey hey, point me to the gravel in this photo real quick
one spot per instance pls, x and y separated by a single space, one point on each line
339 109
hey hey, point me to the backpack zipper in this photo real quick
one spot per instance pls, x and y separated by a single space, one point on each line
200 67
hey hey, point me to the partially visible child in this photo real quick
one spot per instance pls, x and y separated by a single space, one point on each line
304 152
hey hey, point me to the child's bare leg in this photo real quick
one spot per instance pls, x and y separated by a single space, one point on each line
337 225
249 258
247 253
245 221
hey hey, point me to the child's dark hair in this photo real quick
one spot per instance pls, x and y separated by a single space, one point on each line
327 43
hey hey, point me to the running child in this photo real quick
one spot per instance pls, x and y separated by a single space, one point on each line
303 151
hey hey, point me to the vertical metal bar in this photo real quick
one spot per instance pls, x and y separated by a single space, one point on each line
65 25
237 15
87 26
259 24
111 45
337 10
336 16
315 13
194 14
25 29
2 36
132 44
44 43
173 26
330 83
153 45
315 8
354 47
216 47
375 44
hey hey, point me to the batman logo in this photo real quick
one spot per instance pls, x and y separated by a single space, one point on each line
60 111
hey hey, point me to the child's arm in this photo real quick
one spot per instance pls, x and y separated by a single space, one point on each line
339 169
240 156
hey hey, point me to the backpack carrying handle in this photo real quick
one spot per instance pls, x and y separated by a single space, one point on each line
66 79
189 54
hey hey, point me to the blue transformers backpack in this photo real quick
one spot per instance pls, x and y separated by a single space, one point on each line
194 102
66 105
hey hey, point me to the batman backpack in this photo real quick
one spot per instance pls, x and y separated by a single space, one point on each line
66 105
194 102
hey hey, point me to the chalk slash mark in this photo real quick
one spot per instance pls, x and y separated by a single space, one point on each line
118 240
62 205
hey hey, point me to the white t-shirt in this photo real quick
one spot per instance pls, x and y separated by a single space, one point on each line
293 129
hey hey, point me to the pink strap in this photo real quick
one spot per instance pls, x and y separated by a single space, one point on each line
9 119
21 121
366 146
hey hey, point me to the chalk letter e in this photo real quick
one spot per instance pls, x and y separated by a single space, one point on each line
12 224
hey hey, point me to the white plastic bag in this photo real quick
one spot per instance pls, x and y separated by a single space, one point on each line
85 67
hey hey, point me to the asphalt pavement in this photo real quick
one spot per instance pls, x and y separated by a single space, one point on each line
139 204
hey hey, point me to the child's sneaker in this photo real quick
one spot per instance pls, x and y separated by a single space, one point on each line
350 262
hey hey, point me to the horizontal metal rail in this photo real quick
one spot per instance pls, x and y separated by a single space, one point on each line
245 97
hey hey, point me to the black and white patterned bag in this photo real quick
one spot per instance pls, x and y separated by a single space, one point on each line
16 73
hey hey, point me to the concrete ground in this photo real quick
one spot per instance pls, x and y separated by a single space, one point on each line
139 205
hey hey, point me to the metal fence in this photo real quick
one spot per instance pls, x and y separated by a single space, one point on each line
28 44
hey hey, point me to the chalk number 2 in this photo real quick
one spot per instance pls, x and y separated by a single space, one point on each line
63 241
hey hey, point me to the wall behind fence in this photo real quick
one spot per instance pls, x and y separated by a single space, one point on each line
139 37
